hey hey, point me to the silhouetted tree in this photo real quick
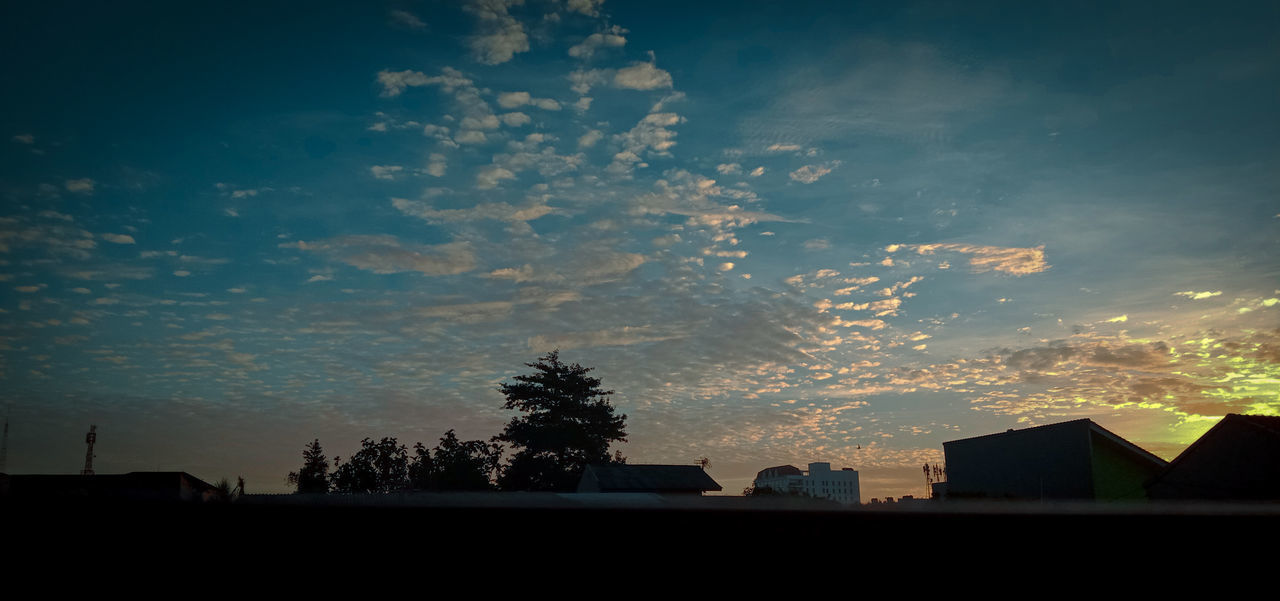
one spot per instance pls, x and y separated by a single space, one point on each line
314 475
465 465
377 467
454 464
422 468
569 423
759 491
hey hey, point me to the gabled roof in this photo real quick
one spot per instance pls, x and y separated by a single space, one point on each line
1236 459
1083 423
1262 423
647 478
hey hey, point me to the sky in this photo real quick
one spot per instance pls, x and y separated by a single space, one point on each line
780 232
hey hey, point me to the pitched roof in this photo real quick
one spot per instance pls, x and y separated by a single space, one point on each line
1075 423
1235 459
648 478
1265 424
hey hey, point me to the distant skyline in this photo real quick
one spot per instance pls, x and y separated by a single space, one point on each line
782 232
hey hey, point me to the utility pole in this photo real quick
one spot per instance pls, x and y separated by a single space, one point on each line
89 439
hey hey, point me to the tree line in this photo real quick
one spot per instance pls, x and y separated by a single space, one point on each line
566 423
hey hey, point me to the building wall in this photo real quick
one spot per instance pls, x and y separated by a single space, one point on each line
1052 462
821 482
1117 474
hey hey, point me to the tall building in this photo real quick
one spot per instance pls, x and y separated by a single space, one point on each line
819 481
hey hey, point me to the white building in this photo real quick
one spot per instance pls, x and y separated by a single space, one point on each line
820 481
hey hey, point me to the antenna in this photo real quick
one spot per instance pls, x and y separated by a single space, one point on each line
89 439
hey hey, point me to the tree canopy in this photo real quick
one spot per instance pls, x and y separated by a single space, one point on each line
568 423
454 464
314 475
381 466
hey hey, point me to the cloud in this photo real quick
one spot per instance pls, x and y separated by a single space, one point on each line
757 172
623 336
590 138
498 211
642 76
515 119
118 238
502 36
812 173
590 8
605 265
510 100
611 38
700 199
79 186
245 193
24 139
387 254
649 136
385 172
406 19
471 137
581 81
56 215
395 82
817 244
524 273
784 148
1204 373
436 164
1193 295
1014 261
467 312
489 177
55 239
729 169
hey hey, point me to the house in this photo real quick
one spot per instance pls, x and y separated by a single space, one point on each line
820 482
1074 460
1238 459
661 479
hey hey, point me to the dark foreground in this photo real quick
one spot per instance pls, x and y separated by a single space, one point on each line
464 532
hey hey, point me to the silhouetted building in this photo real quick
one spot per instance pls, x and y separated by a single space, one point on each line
821 482
133 486
1237 459
662 479
1075 460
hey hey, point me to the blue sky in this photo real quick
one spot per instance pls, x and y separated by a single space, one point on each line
782 232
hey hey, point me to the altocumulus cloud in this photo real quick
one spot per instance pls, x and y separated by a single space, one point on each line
642 76
1010 260
387 254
